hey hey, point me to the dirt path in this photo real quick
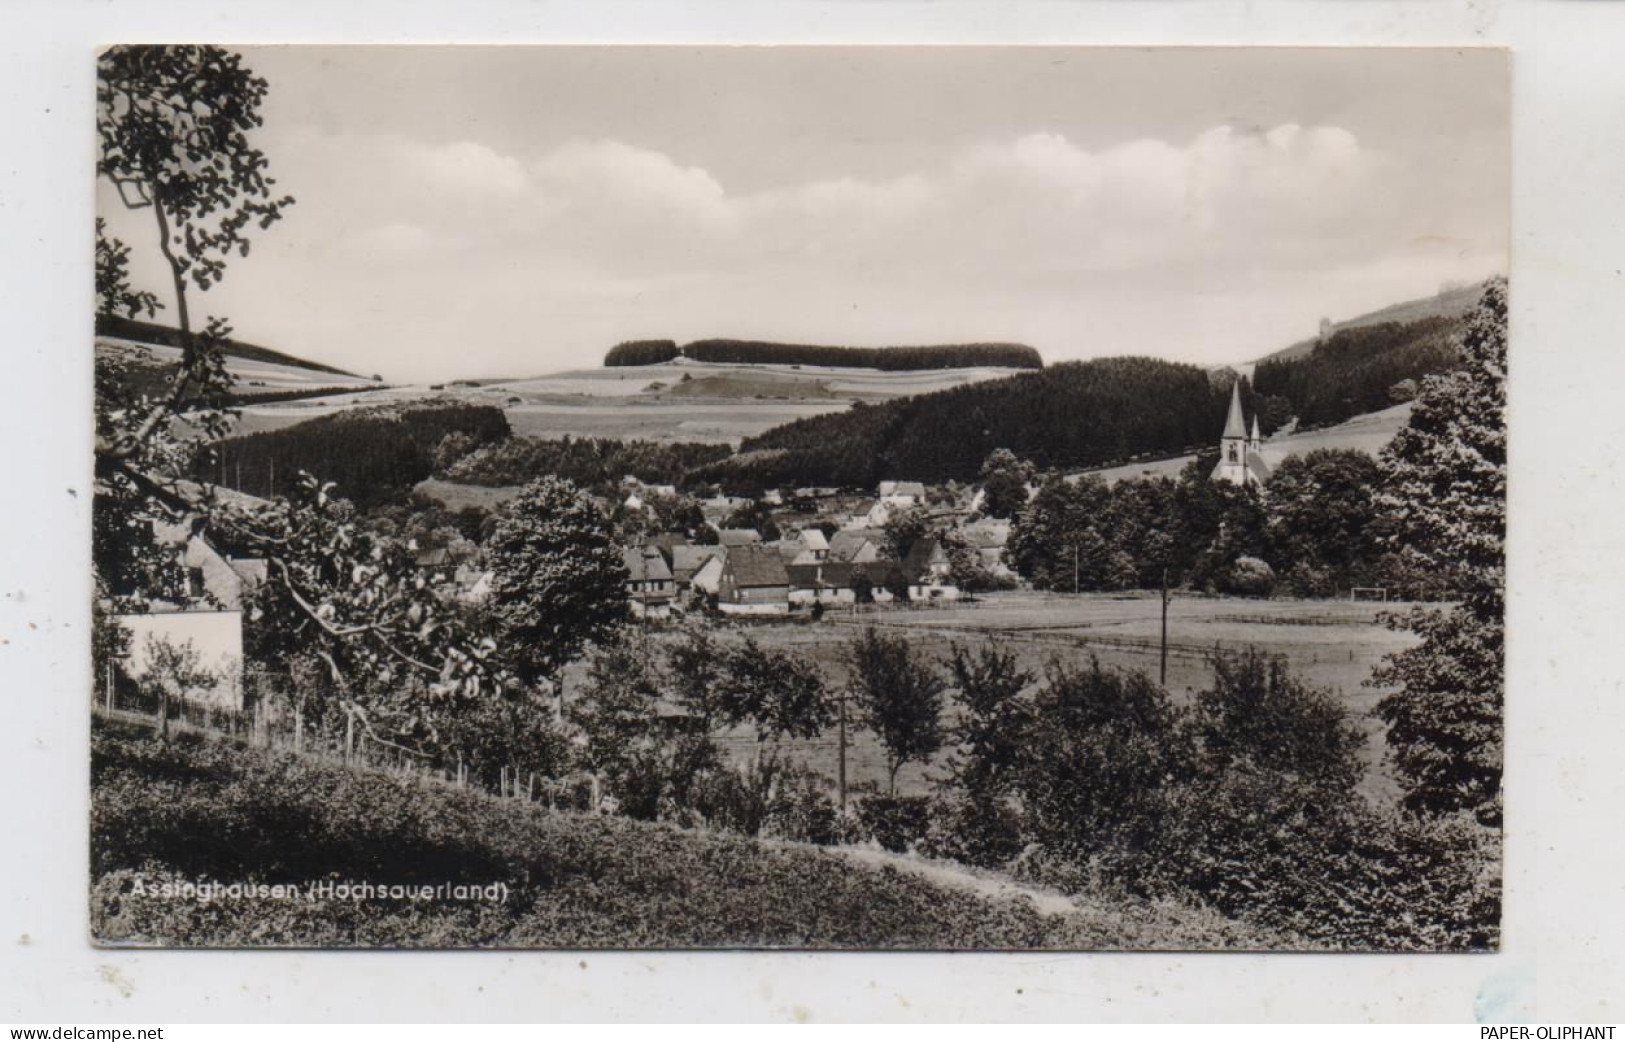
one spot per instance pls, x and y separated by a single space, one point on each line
1048 902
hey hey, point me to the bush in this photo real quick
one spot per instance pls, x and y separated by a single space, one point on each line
895 822
985 833
1247 577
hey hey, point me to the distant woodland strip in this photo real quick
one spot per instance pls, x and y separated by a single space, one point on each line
891 359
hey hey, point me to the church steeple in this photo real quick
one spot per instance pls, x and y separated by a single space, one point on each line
1241 457
1234 425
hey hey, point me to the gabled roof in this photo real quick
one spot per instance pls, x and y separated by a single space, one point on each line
731 537
686 560
756 566
919 558
644 564
1234 425
828 575
902 488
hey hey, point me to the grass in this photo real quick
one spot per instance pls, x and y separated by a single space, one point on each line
195 812
1334 644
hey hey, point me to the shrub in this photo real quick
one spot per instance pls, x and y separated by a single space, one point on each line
982 832
1247 577
895 822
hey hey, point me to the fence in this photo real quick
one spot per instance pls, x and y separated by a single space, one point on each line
267 723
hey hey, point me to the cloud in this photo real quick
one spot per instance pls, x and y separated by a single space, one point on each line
1181 248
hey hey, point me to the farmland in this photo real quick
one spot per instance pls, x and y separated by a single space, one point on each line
1334 644
718 404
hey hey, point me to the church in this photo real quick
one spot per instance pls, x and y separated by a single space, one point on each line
1241 455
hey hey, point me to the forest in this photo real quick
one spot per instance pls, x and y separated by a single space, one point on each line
1073 414
114 325
373 455
591 463
890 359
1360 370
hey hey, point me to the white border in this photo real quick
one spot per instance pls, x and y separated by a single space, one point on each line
1562 956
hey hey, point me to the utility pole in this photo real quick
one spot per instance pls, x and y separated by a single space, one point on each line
840 750
1164 672
1074 569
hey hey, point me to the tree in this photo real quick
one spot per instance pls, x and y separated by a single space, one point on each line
174 670
1444 490
1102 758
174 125
903 529
1004 483
988 686
557 579
1259 714
1322 506
780 694
899 697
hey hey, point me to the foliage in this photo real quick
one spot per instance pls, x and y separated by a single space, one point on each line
896 822
642 352
1004 483
899 696
1444 484
1323 512
573 881
1355 370
1101 756
598 464
779 693
757 352
174 671
1073 414
1259 714
371 455
113 324
557 579
1247 577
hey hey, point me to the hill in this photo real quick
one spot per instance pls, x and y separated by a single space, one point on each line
886 359
121 328
1067 415
1367 433
566 880
1452 303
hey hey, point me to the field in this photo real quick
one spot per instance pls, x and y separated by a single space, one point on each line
1368 433
717 404
1334 644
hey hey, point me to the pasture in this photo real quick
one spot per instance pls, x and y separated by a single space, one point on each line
1333 644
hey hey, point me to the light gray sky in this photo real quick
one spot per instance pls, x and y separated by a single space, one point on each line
518 210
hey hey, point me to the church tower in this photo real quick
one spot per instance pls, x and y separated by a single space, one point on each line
1241 456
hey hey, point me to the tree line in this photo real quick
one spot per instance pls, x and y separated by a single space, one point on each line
373 456
1360 370
891 359
1074 414
598 464
1316 527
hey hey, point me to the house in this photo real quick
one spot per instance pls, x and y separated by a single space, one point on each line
696 567
808 546
209 615
861 511
824 582
855 546
753 582
989 539
733 537
649 585
927 569
902 493
1241 455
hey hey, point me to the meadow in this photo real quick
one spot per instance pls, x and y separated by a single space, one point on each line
1333 644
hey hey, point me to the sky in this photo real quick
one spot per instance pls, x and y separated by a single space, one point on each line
466 212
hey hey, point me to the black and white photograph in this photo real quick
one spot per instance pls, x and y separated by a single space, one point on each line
926 498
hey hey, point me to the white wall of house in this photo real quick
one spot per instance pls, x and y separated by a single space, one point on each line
781 607
217 636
